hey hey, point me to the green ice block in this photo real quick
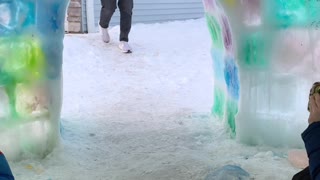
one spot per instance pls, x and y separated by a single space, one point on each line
215 31
218 108
232 110
253 51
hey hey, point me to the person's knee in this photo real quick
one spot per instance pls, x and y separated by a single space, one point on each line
126 7
108 11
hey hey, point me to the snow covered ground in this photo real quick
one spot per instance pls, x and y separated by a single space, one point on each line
145 115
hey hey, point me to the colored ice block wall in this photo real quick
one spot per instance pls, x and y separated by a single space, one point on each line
266 56
31 44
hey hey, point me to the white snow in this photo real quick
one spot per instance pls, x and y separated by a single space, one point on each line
145 115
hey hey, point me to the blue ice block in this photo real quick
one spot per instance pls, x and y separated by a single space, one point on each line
31 47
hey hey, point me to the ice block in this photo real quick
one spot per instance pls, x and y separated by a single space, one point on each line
31 45
266 56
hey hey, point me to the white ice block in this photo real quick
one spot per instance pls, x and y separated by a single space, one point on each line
262 96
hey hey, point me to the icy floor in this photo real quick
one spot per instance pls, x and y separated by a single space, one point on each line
146 115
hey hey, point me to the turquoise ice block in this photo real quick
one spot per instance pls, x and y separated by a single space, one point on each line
293 13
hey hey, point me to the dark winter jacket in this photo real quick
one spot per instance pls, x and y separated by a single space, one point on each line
5 172
311 138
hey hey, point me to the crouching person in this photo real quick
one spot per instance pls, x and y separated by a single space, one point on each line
5 171
311 137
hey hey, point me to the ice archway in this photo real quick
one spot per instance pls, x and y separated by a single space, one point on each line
266 56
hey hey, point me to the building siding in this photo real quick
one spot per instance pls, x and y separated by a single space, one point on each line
84 16
146 11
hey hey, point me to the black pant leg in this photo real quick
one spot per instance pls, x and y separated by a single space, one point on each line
125 7
302 175
107 10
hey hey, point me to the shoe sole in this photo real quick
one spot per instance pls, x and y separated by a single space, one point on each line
126 52
105 41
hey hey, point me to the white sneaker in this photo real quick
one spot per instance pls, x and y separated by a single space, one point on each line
105 35
124 47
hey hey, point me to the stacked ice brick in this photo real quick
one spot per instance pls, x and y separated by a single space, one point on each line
266 56
31 35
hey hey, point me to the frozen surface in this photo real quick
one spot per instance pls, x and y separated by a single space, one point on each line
145 115
265 58
31 36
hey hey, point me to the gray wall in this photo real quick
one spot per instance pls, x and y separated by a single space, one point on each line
84 16
150 11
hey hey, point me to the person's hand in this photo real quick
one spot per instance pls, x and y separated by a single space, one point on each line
314 108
